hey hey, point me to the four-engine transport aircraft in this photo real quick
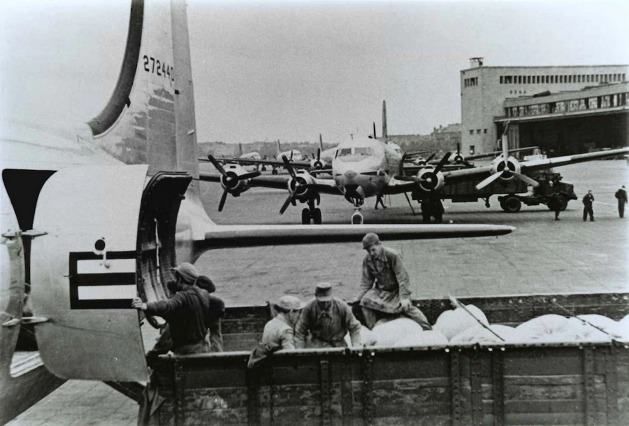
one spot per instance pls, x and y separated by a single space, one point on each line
366 167
98 214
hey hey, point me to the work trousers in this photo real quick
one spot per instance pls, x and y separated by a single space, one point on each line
588 210
621 209
414 313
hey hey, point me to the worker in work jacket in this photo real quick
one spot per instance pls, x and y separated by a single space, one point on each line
325 321
189 312
385 285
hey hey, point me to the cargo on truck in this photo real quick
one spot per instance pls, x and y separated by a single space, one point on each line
537 382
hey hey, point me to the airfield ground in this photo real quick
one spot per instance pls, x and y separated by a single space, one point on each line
541 256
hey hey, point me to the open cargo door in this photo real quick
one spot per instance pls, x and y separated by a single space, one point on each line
86 270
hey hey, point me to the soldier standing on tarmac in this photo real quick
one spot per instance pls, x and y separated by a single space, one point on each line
621 195
588 199
554 203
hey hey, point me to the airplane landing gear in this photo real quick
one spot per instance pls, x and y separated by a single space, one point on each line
357 218
311 213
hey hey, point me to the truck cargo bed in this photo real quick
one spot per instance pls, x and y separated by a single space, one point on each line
460 384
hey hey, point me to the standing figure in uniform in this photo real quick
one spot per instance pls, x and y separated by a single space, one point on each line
621 195
325 321
385 285
588 200
554 203
380 200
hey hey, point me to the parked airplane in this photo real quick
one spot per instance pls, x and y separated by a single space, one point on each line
367 167
316 163
291 154
92 219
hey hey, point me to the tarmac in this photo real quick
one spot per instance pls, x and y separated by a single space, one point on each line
542 256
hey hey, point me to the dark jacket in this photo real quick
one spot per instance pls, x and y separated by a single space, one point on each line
588 199
189 314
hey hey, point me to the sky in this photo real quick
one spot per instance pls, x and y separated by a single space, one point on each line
295 69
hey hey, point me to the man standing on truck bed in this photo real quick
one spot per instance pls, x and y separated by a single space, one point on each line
588 199
385 285
188 312
327 319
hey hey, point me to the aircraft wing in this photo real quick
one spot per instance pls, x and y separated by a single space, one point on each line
231 236
252 162
496 153
529 166
533 165
323 186
398 186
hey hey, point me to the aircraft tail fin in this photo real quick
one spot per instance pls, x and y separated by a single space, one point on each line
150 118
385 132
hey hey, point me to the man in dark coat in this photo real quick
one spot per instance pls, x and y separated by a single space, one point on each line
189 313
588 200
621 195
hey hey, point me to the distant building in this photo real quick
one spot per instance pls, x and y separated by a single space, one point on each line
441 139
564 109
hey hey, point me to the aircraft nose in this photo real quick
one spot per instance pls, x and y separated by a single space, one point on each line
350 174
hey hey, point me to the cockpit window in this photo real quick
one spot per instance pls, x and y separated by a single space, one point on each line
355 152
364 151
344 152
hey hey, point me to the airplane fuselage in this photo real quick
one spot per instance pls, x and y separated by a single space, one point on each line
363 167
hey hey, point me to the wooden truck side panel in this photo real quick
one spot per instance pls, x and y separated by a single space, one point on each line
518 385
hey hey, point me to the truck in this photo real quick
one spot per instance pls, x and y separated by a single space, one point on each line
536 383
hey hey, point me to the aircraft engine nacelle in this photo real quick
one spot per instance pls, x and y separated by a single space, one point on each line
231 181
458 159
428 180
316 164
298 186
507 169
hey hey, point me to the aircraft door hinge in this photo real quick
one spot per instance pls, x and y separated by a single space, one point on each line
26 320
31 233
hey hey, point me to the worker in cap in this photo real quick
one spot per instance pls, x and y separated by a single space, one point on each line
385 286
189 312
370 239
279 332
187 272
325 321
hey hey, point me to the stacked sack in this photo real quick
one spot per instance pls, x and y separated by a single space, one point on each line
457 326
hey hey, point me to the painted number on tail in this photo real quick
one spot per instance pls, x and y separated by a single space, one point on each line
159 67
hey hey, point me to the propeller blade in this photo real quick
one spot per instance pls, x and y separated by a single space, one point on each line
505 147
443 162
489 180
431 157
288 166
526 179
320 141
458 148
249 175
318 154
221 204
216 164
286 203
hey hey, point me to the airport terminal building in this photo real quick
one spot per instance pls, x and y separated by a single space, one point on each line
562 109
